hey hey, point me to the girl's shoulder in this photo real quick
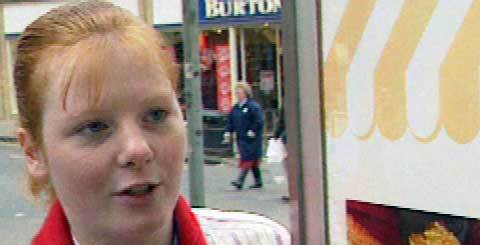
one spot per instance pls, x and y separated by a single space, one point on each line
229 227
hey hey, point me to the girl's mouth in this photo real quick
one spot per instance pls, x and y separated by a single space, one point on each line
137 190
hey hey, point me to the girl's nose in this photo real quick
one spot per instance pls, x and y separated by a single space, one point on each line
136 150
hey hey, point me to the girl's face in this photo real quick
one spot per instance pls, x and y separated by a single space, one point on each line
115 166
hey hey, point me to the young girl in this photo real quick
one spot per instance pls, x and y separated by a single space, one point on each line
101 129
104 137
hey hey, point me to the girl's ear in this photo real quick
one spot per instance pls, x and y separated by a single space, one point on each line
36 165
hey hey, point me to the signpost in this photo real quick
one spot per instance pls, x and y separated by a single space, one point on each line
4 89
194 103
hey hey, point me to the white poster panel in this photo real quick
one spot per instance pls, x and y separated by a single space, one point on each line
130 5
402 104
18 16
167 12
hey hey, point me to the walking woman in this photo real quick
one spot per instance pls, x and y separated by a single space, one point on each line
246 121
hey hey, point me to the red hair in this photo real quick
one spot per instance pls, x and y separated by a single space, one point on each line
73 41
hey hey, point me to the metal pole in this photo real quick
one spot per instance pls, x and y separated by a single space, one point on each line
232 39
243 56
194 101
306 146
4 98
146 11
279 68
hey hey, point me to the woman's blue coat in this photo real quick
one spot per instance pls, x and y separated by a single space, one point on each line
241 119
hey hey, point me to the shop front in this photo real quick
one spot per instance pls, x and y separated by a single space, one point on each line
239 41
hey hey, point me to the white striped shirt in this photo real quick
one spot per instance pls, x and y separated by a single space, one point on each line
237 228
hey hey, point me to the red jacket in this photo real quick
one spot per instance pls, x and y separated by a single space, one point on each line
56 230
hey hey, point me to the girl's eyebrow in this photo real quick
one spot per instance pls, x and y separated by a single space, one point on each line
157 96
87 112
161 96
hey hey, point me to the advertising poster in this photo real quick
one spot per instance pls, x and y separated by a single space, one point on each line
402 115
224 83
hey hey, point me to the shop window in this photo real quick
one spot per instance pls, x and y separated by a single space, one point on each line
261 69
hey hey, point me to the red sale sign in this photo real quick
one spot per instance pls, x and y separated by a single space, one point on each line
223 75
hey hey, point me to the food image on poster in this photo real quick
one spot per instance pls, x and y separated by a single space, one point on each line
437 234
375 224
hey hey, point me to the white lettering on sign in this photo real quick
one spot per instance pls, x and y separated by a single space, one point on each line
239 8
252 4
226 8
210 9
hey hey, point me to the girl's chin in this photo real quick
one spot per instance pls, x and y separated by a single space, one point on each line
141 225
137 232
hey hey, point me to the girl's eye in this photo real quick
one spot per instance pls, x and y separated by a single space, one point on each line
94 128
155 115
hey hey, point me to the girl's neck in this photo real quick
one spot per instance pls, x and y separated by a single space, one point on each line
164 236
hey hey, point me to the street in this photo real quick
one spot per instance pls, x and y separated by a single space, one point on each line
19 219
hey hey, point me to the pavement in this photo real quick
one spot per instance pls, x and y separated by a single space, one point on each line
265 201
19 219
8 130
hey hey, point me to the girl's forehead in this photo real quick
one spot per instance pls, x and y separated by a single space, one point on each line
94 64
112 53
91 81
116 91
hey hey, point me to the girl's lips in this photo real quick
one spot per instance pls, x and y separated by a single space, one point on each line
127 197
137 188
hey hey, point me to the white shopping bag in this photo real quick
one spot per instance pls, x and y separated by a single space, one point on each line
276 151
